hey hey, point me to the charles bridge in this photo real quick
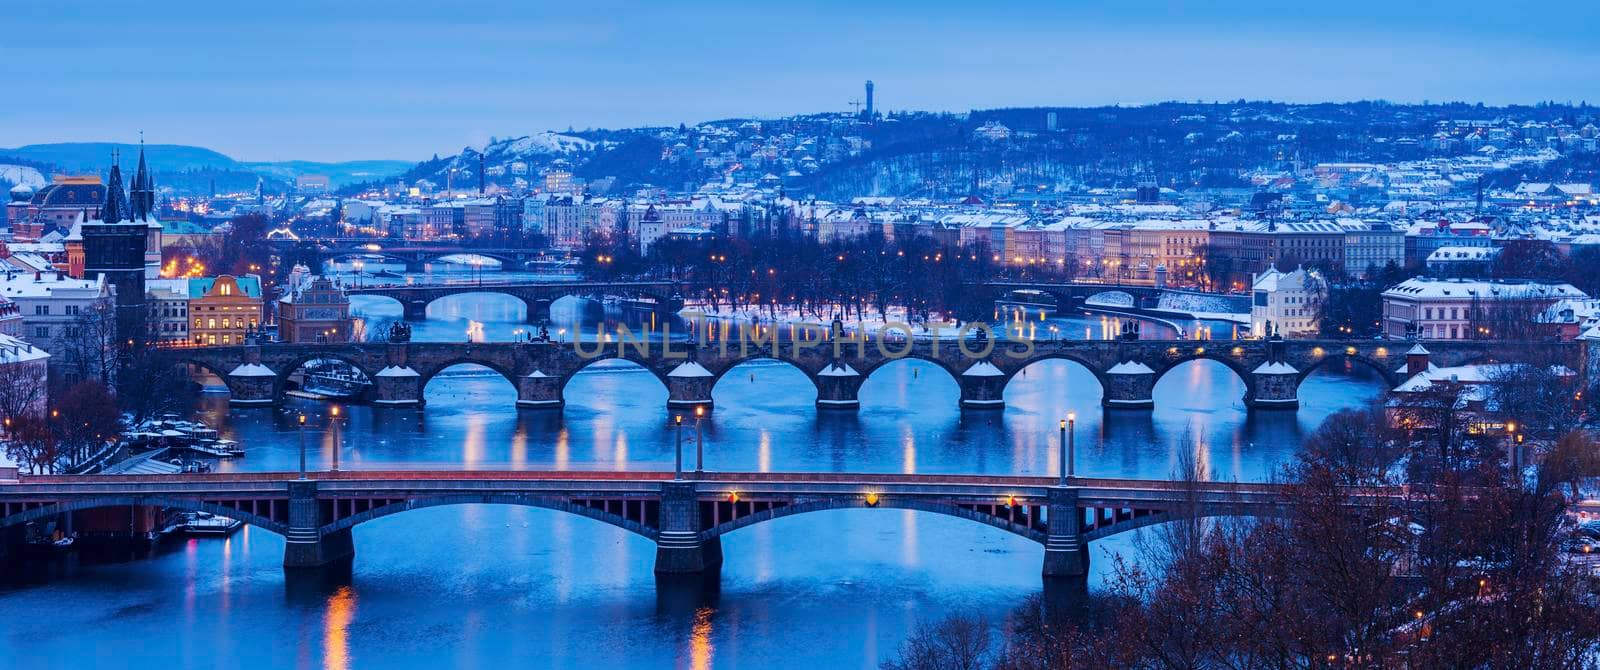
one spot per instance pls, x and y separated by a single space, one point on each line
686 518
689 367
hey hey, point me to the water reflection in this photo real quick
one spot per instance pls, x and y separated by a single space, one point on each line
496 585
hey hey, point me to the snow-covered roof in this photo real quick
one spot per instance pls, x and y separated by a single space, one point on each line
983 369
690 369
839 370
13 350
1275 368
1130 368
252 370
397 371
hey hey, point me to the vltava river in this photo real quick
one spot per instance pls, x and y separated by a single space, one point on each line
493 587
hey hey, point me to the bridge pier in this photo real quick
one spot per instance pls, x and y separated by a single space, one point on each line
983 387
1130 385
251 383
679 548
838 387
416 310
538 390
416 265
538 310
304 544
397 383
689 388
1066 555
1276 387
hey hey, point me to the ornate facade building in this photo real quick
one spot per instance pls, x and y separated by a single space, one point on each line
314 310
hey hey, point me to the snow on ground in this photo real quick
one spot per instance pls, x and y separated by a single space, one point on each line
22 174
1214 304
895 322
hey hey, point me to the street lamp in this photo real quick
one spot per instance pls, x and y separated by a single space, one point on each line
1069 438
699 441
302 446
677 465
335 427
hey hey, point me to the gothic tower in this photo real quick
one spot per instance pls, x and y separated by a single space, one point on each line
113 247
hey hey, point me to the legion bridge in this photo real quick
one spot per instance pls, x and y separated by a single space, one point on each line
685 518
1127 368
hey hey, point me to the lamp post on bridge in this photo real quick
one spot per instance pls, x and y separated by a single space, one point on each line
699 442
302 446
1069 436
335 427
677 464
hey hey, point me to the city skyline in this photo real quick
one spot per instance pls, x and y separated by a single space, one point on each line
292 81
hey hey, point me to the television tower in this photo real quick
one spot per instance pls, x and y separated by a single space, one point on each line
869 99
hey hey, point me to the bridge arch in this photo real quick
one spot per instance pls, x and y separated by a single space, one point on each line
609 356
887 502
497 368
186 504
520 500
867 372
289 368
1238 368
1385 372
1099 375
719 375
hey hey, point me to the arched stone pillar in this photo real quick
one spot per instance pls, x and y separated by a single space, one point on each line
1275 385
396 384
983 387
689 388
1130 385
252 383
538 390
538 309
416 309
838 387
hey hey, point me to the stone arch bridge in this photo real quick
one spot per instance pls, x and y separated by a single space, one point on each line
1127 369
686 518
537 296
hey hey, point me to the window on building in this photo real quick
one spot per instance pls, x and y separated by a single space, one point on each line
41 310
41 332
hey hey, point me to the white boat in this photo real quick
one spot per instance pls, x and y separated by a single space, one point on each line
208 524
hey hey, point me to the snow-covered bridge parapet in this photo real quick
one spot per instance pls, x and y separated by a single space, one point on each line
983 368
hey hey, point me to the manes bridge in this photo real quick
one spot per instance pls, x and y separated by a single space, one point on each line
659 296
689 365
686 518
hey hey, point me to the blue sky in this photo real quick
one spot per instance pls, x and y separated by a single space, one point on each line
336 80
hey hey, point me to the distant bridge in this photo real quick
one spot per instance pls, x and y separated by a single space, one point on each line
685 518
1127 369
537 296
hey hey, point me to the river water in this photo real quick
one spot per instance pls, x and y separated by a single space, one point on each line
486 586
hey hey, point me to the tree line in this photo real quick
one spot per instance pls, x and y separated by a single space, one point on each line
1472 566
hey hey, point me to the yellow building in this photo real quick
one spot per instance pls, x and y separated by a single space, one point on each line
222 309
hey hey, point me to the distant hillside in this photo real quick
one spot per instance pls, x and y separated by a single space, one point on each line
189 167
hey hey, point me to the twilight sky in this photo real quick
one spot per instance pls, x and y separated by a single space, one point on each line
338 79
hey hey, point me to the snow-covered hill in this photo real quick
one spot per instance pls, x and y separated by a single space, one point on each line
22 174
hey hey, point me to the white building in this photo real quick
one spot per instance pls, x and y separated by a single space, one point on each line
1288 303
54 305
1465 309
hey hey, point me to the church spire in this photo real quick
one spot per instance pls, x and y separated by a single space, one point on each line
142 199
116 207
